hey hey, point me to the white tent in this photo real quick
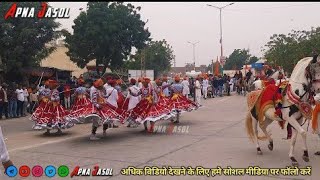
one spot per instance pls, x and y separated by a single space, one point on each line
193 73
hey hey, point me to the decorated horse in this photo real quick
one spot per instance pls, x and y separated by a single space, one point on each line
260 84
290 101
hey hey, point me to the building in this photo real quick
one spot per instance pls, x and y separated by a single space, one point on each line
189 67
59 59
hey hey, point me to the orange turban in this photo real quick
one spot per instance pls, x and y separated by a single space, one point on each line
119 81
98 83
46 83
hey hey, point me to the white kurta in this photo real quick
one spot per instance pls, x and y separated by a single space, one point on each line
3 149
133 100
186 89
112 94
205 85
198 91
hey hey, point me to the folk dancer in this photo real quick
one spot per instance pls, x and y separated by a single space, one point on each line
55 115
178 102
112 98
82 106
133 97
40 116
146 109
186 87
102 109
4 155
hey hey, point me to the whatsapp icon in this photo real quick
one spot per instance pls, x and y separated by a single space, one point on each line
63 171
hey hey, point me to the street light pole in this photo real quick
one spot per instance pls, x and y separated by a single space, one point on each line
220 11
194 52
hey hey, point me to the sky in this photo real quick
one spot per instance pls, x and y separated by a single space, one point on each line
244 25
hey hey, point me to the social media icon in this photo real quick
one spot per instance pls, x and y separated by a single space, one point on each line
63 171
50 171
12 171
37 171
24 171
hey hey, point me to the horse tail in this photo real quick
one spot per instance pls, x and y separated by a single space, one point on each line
250 130
249 127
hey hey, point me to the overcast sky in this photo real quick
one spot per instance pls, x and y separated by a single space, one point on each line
245 25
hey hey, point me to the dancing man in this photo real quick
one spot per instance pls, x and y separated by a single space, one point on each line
178 102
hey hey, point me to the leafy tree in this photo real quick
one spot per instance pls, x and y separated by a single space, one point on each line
237 59
252 60
287 50
107 31
23 40
158 56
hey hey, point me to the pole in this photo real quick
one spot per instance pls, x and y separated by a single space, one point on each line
221 35
194 57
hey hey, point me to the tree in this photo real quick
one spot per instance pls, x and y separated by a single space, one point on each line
158 56
287 50
23 40
106 32
237 59
252 60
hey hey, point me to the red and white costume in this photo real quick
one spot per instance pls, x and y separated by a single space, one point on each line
102 108
53 114
147 109
178 102
82 105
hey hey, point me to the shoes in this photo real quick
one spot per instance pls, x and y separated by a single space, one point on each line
93 137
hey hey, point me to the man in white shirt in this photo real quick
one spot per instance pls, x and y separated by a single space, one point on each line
198 90
186 88
26 100
20 96
112 94
205 85
4 155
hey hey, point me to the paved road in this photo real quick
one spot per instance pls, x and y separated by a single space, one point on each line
216 137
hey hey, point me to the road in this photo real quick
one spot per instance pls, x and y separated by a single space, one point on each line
215 137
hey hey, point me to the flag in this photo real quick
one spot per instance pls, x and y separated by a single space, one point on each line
217 68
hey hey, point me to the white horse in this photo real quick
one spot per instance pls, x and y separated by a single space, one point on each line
303 82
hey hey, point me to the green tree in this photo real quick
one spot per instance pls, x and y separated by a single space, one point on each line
287 50
252 60
158 56
107 32
237 59
23 40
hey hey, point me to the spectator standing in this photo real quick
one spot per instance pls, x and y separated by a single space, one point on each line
4 101
33 101
205 85
20 102
26 100
12 96
67 96
220 85
215 84
186 88
198 91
